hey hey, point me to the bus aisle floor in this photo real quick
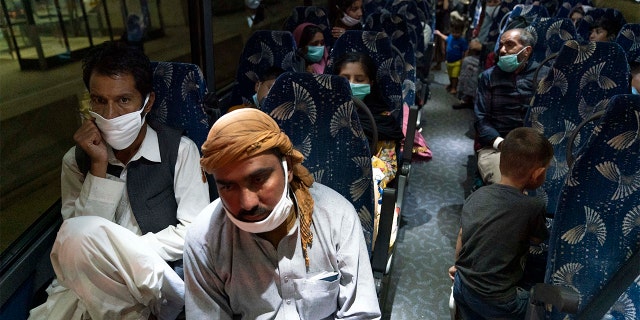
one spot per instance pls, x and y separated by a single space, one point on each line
419 284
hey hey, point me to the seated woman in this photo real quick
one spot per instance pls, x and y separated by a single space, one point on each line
605 29
347 15
361 72
310 42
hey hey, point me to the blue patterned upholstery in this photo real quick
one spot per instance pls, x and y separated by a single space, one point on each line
373 6
629 40
584 26
597 225
263 50
565 8
395 26
528 11
318 114
550 34
311 14
390 67
180 91
582 81
415 19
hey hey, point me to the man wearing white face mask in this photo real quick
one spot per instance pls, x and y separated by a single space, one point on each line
275 245
503 97
128 192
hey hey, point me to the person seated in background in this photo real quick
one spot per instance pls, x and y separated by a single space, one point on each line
605 29
503 98
576 14
276 244
310 42
129 190
347 15
361 72
262 87
457 47
489 267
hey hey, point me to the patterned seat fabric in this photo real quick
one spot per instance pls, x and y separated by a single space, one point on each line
550 34
373 6
394 26
310 14
583 29
264 49
180 99
629 40
582 81
319 116
528 11
390 66
597 225
415 19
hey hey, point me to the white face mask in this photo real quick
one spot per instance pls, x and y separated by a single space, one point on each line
349 21
120 132
277 216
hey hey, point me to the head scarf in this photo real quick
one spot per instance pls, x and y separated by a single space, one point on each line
245 133
318 67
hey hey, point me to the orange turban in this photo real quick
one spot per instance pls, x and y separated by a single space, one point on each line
247 132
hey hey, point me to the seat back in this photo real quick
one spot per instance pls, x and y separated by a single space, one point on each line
551 34
376 45
373 6
629 39
415 19
583 28
180 99
320 118
264 49
597 226
528 12
310 14
582 81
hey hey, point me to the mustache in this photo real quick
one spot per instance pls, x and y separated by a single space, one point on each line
245 215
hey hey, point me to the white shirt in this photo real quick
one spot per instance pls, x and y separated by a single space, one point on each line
107 197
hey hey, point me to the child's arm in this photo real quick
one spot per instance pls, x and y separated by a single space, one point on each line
452 269
440 34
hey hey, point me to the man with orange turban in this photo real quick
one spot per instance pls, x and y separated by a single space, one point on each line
275 244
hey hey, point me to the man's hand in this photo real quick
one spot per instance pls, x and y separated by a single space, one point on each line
89 138
452 272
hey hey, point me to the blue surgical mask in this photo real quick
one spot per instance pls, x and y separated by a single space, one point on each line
255 99
634 90
315 53
360 90
509 62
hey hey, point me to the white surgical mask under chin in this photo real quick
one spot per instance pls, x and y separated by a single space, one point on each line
349 21
277 216
120 132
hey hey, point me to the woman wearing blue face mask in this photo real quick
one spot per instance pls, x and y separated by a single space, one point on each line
310 41
360 70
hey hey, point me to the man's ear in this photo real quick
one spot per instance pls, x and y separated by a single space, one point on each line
538 174
289 169
257 85
152 99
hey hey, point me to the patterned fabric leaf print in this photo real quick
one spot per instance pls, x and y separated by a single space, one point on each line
324 80
559 81
587 111
593 224
628 33
569 128
302 102
317 176
277 38
342 119
397 34
560 168
288 63
189 84
556 28
366 220
305 146
584 51
251 75
369 39
359 186
631 221
623 306
626 184
535 114
628 138
164 71
161 111
593 75
565 275
265 53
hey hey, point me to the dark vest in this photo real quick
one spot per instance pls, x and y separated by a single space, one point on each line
149 184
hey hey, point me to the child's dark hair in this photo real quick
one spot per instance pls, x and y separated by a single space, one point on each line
612 26
307 35
457 26
522 150
368 65
116 58
271 73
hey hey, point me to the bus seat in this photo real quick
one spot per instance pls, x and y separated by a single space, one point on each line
550 34
529 12
629 39
310 14
581 81
416 20
264 49
564 9
319 116
596 229
583 28
373 6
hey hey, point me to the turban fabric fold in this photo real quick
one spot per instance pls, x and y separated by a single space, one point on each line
245 133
